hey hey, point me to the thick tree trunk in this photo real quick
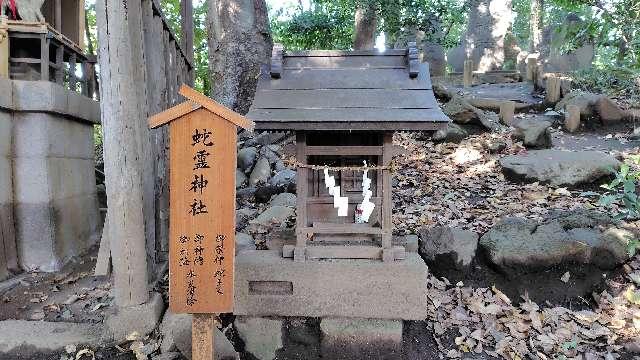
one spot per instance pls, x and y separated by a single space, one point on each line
364 37
623 48
536 25
239 46
126 149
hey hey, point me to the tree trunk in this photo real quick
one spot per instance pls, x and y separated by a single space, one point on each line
239 47
365 27
536 24
126 150
623 48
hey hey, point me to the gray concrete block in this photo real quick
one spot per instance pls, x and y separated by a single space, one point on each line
261 336
361 338
35 237
268 285
31 180
70 177
6 93
6 182
28 337
76 226
5 133
39 96
142 318
84 108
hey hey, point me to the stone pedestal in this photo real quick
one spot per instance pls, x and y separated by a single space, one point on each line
52 172
266 284
344 338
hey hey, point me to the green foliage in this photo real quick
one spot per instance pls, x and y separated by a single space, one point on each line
622 191
328 25
611 80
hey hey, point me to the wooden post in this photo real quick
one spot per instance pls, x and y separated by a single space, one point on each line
202 220
532 70
44 57
4 47
387 201
202 337
507 111
553 89
572 118
59 64
57 15
120 110
301 199
468 73
73 78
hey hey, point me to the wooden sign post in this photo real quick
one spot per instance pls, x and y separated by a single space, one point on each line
202 221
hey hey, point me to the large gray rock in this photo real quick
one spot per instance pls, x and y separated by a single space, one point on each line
516 244
244 242
533 133
261 172
273 215
284 178
457 246
452 133
462 112
27 337
176 335
284 199
241 178
143 319
585 101
247 158
559 167
608 110
261 336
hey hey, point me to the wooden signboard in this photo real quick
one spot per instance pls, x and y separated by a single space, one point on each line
202 198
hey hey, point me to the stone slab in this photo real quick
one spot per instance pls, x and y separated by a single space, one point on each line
6 95
20 337
262 336
5 133
268 285
344 338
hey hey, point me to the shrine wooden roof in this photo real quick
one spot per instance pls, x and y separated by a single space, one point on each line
346 90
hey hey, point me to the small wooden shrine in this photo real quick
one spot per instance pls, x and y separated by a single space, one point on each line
344 107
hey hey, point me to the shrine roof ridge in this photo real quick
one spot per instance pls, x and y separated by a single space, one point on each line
195 101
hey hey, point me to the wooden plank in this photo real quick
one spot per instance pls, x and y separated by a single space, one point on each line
350 126
202 219
325 53
348 115
344 98
103 263
348 79
202 337
217 108
172 113
344 150
25 60
302 193
186 19
353 61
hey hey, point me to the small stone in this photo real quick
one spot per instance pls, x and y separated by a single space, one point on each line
608 110
244 242
284 178
273 215
261 336
565 277
494 146
533 133
454 133
241 178
459 246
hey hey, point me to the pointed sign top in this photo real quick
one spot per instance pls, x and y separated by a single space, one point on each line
196 101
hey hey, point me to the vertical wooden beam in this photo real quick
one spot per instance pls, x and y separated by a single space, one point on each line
186 13
44 57
301 202
202 336
57 11
572 118
468 73
552 95
4 47
73 79
387 201
60 64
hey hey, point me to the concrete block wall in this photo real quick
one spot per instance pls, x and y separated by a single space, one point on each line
7 229
55 206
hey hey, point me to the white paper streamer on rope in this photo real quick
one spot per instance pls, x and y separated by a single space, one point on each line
339 202
365 208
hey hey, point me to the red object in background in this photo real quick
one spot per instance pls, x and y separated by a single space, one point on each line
12 6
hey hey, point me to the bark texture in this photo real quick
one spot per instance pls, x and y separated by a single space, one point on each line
365 27
536 25
239 47
126 144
